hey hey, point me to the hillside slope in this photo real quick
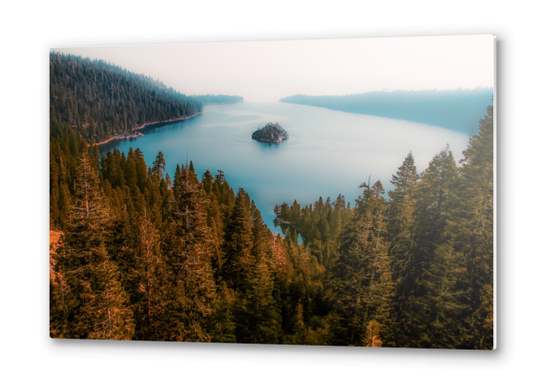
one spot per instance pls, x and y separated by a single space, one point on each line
100 100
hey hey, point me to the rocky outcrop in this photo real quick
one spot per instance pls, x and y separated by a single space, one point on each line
271 133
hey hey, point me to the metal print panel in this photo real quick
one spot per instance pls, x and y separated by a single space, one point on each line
317 192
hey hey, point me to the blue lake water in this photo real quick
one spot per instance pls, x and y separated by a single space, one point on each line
328 152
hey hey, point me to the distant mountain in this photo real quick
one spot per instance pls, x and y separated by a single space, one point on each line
218 99
100 100
459 109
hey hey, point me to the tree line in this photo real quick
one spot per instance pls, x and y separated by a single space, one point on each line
218 99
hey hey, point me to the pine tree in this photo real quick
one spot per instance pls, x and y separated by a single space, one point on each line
61 298
223 319
107 314
259 320
443 304
150 271
363 283
130 173
400 229
159 166
472 230
98 307
190 287
168 181
422 274
64 204
260 235
300 335
141 170
400 213
238 257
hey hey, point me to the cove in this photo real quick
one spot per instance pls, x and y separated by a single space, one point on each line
328 153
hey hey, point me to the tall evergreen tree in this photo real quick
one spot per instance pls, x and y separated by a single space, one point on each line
159 166
362 272
259 320
400 229
400 211
190 288
238 257
151 277
223 318
98 307
434 203
473 227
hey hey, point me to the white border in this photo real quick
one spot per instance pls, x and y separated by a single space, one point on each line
28 31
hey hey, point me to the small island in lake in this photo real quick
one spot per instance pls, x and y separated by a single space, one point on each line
271 133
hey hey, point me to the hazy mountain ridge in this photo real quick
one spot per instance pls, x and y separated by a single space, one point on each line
218 99
459 109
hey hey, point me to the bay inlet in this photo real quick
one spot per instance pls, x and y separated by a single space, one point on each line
328 153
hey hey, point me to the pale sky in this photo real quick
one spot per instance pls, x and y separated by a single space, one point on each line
266 71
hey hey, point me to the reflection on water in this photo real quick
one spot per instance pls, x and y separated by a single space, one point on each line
328 152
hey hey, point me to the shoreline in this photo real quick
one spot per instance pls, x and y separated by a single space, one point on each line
144 125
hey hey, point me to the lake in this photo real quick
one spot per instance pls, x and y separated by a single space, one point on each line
328 152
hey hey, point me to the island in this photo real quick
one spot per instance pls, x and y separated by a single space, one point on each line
271 133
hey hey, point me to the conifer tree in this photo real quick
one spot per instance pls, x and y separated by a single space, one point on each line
238 257
64 204
98 307
260 234
120 245
299 330
259 320
168 181
141 170
223 319
54 193
472 230
159 166
400 228
443 305
363 283
400 212
151 279
434 201
190 287
130 173
61 298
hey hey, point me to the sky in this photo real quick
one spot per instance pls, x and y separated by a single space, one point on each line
268 70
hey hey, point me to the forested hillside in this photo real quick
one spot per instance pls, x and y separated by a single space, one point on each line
457 109
101 100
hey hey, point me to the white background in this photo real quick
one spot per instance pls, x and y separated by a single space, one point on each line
29 29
